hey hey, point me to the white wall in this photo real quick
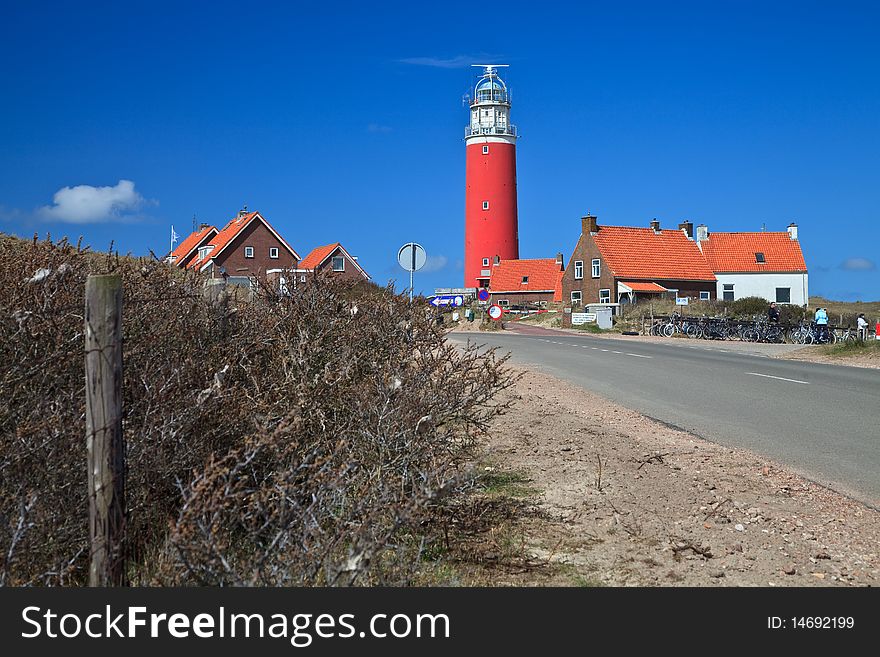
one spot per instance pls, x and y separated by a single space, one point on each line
764 285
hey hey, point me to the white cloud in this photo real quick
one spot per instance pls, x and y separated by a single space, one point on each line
459 61
858 264
435 263
85 204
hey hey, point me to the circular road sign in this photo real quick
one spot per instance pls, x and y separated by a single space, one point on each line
412 256
483 294
458 301
495 312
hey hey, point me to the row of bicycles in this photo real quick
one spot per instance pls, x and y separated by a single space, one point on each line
754 330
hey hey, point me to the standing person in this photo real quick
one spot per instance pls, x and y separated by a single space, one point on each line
822 324
862 324
773 313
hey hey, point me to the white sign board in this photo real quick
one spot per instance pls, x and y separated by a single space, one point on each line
495 312
681 301
412 256
582 318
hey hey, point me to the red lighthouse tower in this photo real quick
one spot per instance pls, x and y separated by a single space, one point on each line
490 224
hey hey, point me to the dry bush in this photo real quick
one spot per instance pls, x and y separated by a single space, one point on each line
270 440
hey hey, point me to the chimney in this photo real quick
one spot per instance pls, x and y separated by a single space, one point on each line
203 225
688 228
588 224
496 260
702 233
560 261
655 225
242 212
792 231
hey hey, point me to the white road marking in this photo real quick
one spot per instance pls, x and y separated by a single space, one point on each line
639 355
616 352
781 378
603 350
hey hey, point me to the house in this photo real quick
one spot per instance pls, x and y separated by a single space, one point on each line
620 264
332 258
188 249
765 264
534 282
246 248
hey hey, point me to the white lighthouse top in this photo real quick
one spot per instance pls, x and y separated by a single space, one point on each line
490 108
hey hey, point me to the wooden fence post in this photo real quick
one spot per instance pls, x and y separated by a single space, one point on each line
104 441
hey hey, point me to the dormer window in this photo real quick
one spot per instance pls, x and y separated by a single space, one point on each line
759 257
204 251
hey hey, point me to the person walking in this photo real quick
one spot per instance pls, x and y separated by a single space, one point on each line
773 313
821 320
862 325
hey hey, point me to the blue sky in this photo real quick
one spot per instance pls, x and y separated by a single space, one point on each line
345 122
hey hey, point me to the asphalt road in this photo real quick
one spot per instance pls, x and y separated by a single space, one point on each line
821 420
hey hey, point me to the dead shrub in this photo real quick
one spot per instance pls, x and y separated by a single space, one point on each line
270 439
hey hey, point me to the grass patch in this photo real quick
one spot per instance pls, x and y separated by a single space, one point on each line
507 484
593 328
858 348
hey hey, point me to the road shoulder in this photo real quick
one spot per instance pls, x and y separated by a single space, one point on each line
619 499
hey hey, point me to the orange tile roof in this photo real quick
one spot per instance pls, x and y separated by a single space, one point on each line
544 276
637 286
230 232
317 256
642 253
191 242
735 252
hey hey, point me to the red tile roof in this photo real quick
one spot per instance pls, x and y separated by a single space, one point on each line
317 256
544 276
642 286
643 254
321 253
192 242
230 232
735 252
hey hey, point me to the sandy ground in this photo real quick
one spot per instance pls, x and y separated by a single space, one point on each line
813 354
615 498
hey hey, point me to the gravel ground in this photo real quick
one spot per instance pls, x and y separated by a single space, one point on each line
623 500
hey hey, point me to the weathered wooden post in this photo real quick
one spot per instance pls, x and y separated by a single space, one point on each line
104 441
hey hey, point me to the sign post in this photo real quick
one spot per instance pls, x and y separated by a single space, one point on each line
411 257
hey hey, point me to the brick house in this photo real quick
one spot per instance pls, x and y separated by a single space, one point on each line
332 258
188 249
534 282
246 248
765 264
618 264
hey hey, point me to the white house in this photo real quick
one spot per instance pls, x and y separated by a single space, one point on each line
764 264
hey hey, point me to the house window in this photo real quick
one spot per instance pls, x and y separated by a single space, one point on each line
525 280
576 297
302 278
759 257
704 295
596 268
248 252
338 263
503 302
605 296
727 291
485 205
783 295
578 269
273 252
485 150
485 262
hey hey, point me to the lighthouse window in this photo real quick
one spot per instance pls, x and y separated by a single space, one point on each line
485 150
525 280
485 262
485 205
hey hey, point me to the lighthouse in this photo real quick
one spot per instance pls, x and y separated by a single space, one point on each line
490 223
